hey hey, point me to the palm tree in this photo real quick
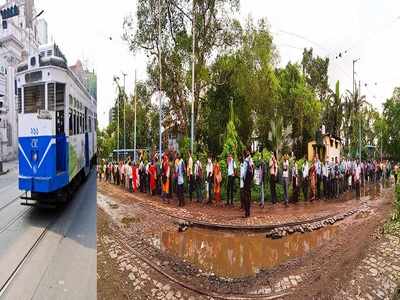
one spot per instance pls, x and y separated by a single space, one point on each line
334 111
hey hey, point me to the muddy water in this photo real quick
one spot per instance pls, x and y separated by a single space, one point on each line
236 255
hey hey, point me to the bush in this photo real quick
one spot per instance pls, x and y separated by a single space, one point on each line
393 226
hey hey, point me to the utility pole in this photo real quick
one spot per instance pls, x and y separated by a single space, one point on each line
134 130
359 94
354 83
123 99
159 61
193 71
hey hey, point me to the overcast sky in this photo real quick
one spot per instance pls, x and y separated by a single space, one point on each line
368 29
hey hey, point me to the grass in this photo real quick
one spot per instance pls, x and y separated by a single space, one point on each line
393 225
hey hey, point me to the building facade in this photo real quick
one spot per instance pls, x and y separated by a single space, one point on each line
18 38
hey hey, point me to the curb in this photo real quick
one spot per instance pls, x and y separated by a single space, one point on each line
5 172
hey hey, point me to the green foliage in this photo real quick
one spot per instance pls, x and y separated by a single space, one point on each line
393 226
391 127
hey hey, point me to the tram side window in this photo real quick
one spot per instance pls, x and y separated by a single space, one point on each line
60 95
19 100
75 123
71 131
34 98
50 96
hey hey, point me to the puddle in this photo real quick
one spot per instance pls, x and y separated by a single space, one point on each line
236 255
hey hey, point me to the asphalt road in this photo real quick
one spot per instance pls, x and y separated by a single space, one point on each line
50 253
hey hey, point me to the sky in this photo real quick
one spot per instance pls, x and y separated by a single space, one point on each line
367 29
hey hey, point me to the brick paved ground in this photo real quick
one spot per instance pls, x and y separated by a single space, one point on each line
270 215
378 275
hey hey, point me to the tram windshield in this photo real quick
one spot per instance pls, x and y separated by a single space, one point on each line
34 98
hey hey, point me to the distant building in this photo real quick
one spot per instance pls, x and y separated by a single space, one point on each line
88 78
327 146
111 114
18 38
42 33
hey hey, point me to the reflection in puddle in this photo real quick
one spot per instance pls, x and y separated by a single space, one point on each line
237 255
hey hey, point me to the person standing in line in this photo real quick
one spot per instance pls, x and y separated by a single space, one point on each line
313 179
217 183
325 174
135 175
198 178
152 178
248 179
230 187
318 168
129 176
273 173
337 176
285 179
210 180
165 173
190 176
305 170
261 170
357 179
295 182
180 169
395 173
241 181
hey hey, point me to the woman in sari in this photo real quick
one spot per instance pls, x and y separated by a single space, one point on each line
152 178
165 173
135 176
217 183
313 179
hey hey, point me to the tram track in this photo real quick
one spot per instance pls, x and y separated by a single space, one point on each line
28 253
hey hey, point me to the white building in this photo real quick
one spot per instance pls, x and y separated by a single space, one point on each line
42 32
18 37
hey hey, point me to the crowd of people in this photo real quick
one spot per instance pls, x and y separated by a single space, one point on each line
172 175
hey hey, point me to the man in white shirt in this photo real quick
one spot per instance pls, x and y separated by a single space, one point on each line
273 173
357 179
285 179
231 166
210 180
190 176
304 173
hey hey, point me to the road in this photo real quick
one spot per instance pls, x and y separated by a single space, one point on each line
47 254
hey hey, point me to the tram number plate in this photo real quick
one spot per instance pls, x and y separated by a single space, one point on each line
34 131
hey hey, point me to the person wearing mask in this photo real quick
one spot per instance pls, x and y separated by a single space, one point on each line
190 176
285 179
248 179
180 170
210 180
198 178
273 173
230 187
305 174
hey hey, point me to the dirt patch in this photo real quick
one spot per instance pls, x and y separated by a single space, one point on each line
130 220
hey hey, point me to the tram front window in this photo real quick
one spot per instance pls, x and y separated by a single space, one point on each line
34 98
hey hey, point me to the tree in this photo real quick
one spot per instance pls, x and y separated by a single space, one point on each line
333 112
391 126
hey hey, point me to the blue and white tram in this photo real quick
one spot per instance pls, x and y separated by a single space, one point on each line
56 127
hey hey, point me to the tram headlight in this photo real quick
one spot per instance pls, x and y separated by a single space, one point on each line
34 156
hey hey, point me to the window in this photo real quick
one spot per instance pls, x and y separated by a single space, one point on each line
71 101
71 126
34 98
60 93
50 96
75 123
49 53
19 108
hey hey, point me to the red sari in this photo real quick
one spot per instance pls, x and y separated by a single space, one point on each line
153 177
134 178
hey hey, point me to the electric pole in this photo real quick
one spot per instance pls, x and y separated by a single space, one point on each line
134 130
354 84
123 99
159 61
193 71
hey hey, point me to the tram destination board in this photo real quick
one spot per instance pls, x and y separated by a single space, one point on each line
33 76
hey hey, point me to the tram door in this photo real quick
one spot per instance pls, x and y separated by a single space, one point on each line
61 141
86 138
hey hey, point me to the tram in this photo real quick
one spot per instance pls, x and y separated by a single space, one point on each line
56 128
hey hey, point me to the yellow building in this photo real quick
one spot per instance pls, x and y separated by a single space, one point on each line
328 147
